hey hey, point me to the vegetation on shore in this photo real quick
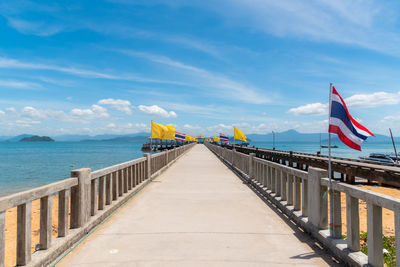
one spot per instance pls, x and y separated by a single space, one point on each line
389 248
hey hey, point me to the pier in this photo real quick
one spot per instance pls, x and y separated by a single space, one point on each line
346 170
198 205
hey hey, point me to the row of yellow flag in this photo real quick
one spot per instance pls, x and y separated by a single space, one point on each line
167 132
238 135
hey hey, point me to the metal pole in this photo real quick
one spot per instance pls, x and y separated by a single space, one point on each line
394 146
273 140
151 142
330 166
320 143
234 143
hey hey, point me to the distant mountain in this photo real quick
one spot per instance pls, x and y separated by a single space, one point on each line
37 138
378 138
121 139
287 136
4 138
18 137
77 138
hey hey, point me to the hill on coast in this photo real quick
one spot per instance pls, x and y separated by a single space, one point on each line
37 138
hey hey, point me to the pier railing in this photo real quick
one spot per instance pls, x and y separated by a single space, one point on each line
344 169
84 200
303 197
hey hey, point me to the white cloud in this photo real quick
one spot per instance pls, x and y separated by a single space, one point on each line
27 122
310 109
7 63
95 112
156 110
2 112
34 28
127 128
40 114
391 118
360 100
11 109
19 84
368 24
118 104
209 81
373 100
31 112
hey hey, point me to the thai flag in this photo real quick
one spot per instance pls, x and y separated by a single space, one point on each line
180 136
223 138
341 123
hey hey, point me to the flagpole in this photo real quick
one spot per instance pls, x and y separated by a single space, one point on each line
151 141
234 143
330 165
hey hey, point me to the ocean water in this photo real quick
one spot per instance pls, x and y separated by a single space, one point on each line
27 165
342 150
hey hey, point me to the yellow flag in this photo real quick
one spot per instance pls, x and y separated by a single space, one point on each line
170 135
239 135
216 139
187 138
158 131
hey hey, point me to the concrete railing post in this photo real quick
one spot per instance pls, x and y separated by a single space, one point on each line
233 157
317 203
2 238
353 223
24 217
374 228
80 198
148 164
251 171
277 183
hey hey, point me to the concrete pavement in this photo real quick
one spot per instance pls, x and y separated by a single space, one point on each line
197 213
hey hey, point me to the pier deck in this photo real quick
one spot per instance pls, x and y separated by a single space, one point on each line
197 213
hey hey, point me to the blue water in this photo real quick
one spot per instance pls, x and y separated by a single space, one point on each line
341 151
28 165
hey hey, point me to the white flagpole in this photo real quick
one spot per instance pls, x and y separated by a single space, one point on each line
330 165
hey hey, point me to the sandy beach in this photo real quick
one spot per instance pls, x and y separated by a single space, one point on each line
11 229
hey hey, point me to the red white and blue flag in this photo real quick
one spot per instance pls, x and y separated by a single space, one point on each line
223 138
180 136
352 133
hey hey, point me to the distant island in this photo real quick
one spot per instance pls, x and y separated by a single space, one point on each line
37 138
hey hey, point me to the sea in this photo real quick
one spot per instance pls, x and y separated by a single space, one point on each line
25 165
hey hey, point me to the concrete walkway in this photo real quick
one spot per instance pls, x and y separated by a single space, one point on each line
197 213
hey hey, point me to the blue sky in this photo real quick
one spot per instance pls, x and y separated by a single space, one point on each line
75 67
